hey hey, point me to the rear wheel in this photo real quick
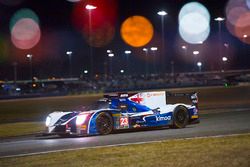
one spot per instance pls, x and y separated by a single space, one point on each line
104 123
180 117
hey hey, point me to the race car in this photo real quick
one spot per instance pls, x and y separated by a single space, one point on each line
125 111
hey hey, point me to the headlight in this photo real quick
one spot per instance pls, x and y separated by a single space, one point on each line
80 119
48 119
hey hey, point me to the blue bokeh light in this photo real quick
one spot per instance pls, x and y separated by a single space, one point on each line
194 23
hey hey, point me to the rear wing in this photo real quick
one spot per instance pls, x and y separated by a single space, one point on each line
193 96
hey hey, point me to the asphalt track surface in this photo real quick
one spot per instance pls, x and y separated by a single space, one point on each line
228 121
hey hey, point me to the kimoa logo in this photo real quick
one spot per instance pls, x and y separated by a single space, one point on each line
166 118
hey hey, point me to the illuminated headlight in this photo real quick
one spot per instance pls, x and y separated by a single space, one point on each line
48 119
80 119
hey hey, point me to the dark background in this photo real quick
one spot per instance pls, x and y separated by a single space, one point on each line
59 35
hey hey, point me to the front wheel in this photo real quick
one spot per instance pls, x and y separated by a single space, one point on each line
104 123
180 117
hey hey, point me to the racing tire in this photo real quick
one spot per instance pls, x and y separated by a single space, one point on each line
104 123
180 117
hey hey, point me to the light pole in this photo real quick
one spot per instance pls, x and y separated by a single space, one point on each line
106 65
196 52
224 60
199 64
146 60
85 71
226 45
245 50
162 13
90 8
127 52
219 20
154 49
29 56
69 53
111 55
172 68
184 47
15 71
121 71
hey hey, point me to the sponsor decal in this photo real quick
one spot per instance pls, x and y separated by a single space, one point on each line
140 122
195 111
116 115
148 94
136 126
122 100
83 127
124 95
124 122
123 107
155 94
156 111
166 118
194 116
134 109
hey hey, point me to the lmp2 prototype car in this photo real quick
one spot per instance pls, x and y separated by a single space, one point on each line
125 111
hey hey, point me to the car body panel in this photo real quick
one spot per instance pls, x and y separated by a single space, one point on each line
128 111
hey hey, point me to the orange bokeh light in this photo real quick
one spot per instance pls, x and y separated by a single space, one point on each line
137 31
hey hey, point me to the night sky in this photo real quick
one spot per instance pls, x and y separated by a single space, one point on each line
59 34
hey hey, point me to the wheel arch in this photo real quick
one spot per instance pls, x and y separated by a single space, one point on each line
92 129
181 105
175 110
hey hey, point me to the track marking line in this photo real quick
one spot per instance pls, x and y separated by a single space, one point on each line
124 144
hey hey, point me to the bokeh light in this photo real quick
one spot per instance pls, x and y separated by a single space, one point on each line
194 7
137 31
235 13
23 13
248 3
243 25
97 25
238 19
24 28
25 34
194 21
234 4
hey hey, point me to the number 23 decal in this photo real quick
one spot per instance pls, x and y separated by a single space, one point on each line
124 121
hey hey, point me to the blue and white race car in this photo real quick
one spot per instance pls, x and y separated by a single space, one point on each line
125 111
